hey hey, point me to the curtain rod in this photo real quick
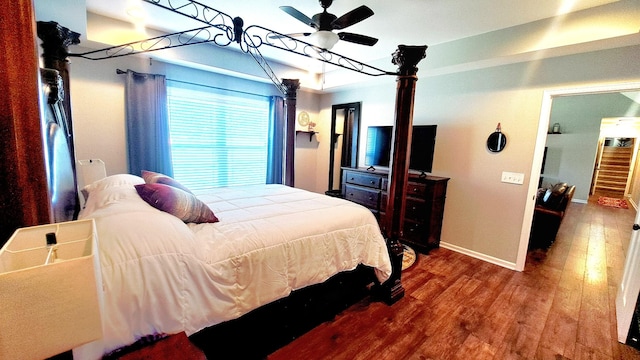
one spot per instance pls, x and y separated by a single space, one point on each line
121 72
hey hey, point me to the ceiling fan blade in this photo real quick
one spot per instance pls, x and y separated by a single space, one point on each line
352 17
289 35
357 38
299 16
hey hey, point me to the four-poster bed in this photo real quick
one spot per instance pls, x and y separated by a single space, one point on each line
308 301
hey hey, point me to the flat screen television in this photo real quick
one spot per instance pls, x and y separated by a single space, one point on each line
423 145
378 147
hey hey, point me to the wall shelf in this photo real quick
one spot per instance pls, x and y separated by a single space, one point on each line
311 133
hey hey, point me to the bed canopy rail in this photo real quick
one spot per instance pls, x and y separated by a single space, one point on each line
223 30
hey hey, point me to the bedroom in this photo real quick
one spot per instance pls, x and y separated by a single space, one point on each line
483 217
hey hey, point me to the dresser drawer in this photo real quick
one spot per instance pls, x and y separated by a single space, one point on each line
414 232
416 210
364 196
363 179
416 189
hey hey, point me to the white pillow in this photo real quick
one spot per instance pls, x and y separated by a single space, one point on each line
110 189
115 180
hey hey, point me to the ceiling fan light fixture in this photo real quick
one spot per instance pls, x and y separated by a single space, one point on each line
325 39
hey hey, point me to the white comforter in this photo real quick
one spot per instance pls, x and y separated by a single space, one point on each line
161 275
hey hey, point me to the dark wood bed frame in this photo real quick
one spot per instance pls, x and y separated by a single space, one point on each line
43 200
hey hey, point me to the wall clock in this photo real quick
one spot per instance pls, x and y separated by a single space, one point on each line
303 118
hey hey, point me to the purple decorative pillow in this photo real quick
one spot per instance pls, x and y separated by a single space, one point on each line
151 177
176 202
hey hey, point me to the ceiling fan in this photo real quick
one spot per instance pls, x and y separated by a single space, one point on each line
325 23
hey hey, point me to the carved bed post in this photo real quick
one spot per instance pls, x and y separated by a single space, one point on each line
292 86
406 57
55 45
55 75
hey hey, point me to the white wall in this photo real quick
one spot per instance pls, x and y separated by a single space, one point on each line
69 13
306 158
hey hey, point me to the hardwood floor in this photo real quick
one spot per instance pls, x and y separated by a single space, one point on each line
456 307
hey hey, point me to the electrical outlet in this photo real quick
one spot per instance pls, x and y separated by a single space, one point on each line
512 178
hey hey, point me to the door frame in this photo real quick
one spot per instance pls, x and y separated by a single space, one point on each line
629 286
596 167
538 153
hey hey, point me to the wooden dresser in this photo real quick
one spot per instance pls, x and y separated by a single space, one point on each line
424 206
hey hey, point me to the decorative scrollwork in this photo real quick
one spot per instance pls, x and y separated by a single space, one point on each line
263 36
252 49
196 11
222 30
182 38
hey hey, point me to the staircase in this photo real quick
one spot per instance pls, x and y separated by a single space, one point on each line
614 170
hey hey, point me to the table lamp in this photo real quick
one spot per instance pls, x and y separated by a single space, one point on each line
49 299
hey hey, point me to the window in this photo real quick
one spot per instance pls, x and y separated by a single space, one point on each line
218 137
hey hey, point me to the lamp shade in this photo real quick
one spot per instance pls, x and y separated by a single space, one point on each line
325 39
47 309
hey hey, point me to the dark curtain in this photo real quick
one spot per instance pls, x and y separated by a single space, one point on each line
148 146
275 153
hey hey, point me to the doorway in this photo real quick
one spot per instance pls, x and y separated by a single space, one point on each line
539 150
614 166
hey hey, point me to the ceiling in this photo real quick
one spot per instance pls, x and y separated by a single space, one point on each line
410 22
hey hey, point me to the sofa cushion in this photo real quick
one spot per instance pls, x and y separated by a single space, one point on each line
553 198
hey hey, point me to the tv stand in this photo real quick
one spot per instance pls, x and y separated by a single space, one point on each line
424 205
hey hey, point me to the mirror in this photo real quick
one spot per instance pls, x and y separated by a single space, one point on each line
345 125
497 140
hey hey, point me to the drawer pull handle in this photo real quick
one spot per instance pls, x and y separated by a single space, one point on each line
415 189
370 198
372 182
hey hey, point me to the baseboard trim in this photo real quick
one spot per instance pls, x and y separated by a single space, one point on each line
633 203
480 256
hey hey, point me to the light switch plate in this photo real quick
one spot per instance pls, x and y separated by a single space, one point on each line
512 177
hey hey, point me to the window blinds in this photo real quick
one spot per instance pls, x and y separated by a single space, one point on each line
218 137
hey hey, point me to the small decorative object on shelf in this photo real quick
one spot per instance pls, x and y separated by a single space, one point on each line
312 125
556 128
303 118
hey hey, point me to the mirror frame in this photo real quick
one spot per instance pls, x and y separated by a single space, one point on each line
350 139
496 142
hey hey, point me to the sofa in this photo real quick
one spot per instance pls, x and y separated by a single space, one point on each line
551 205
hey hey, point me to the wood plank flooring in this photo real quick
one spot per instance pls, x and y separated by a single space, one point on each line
456 307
